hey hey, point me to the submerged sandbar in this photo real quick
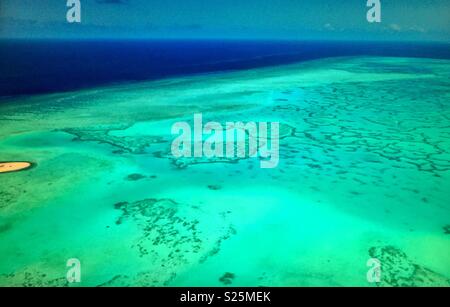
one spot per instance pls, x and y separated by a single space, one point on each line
8 167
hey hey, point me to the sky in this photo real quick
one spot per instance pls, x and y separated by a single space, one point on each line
410 20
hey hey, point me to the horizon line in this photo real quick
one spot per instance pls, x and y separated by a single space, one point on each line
225 39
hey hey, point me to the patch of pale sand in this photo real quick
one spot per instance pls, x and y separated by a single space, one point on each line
7 167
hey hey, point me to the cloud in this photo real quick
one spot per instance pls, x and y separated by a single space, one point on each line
395 27
112 1
418 29
328 26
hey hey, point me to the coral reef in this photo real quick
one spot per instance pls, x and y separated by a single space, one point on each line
398 270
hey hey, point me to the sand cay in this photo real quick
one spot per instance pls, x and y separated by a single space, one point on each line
364 172
8 167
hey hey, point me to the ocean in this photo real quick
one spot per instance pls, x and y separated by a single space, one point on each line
361 184
48 66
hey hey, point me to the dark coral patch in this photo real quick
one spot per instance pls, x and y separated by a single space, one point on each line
227 278
134 177
214 187
446 229
120 205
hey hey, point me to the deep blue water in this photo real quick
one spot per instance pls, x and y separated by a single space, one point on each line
30 67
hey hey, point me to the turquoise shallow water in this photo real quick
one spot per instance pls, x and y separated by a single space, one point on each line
364 173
